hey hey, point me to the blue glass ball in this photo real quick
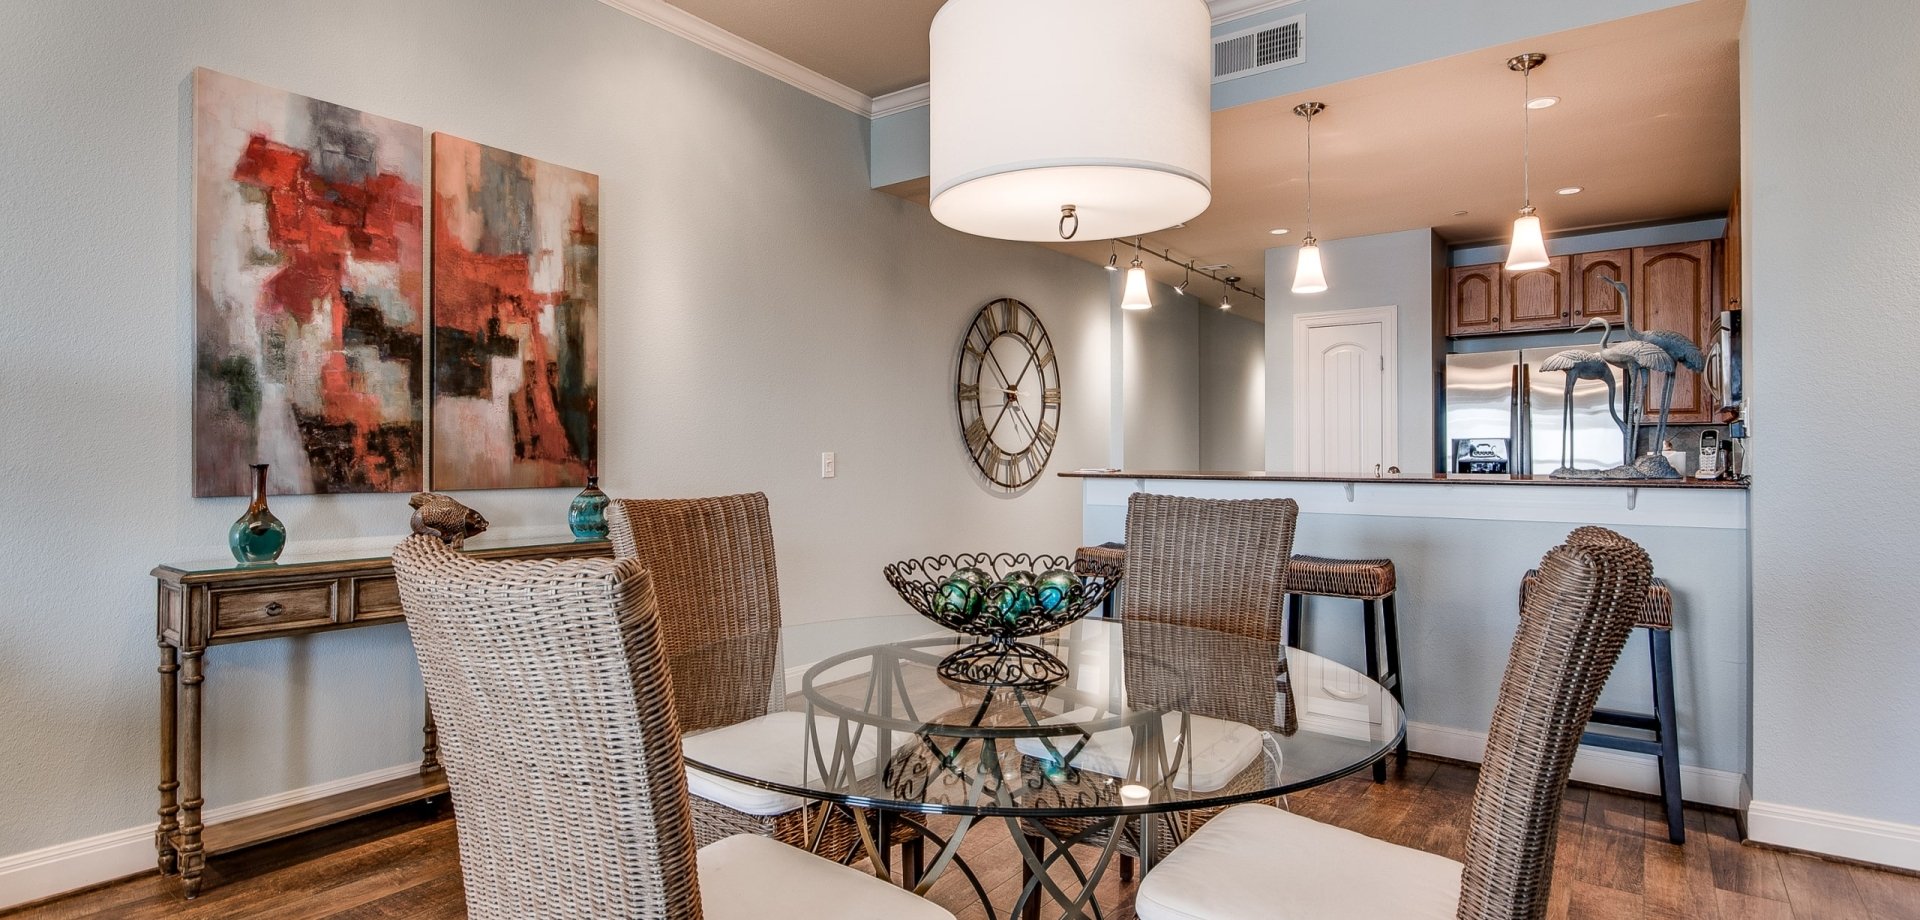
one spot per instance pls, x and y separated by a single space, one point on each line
1013 601
1055 590
1019 577
972 575
958 597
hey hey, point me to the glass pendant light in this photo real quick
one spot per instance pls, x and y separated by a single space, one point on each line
1308 276
1528 250
1136 297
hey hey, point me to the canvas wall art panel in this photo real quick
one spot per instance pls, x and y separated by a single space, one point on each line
308 272
515 319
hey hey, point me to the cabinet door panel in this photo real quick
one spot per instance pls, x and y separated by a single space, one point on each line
1593 297
1674 289
1473 300
1537 299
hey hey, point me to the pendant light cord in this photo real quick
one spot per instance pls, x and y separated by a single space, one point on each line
1526 135
1309 176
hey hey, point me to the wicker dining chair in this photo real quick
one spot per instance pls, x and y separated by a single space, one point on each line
1585 600
1196 567
713 569
550 686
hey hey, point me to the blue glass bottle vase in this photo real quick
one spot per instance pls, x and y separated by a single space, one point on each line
588 513
257 537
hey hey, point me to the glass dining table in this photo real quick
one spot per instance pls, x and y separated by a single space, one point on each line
1155 727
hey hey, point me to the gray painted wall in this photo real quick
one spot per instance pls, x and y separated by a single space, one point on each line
1386 269
761 304
1161 380
1831 196
1233 392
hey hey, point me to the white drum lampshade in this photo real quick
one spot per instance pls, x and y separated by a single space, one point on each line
1101 105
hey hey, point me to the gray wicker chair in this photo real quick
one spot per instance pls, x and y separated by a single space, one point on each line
1197 566
1585 600
713 565
550 685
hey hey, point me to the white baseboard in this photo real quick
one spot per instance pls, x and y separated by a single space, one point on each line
1884 843
1599 766
64 867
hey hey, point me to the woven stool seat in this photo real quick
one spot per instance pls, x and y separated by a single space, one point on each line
1655 613
1359 579
1107 554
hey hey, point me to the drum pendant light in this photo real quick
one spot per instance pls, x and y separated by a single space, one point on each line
1528 250
1070 118
1308 276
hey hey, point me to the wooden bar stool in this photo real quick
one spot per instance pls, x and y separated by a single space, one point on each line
1113 555
1371 582
1656 617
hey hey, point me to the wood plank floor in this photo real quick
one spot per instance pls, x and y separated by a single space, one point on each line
1613 862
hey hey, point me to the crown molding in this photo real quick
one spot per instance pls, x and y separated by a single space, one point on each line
912 97
713 38
679 22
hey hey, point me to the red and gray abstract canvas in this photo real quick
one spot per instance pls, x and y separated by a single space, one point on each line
308 270
515 319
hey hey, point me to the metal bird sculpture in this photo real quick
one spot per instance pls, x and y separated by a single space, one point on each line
1580 364
1680 351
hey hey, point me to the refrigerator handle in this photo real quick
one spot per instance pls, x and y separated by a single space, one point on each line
1516 415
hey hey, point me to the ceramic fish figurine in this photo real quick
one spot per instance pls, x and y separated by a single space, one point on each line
445 518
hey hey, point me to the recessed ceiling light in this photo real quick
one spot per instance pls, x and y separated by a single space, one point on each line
1543 102
1279 231
1572 190
1459 213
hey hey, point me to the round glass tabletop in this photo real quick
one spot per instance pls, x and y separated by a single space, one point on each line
1151 718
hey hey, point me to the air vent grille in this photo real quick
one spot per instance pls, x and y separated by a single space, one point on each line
1260 49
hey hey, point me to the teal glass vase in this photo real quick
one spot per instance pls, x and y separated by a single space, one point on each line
257 537
588 513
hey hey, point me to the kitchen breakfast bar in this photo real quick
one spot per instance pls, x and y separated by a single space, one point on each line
1459 541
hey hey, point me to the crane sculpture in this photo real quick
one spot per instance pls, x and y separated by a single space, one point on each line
1680 351
1580 364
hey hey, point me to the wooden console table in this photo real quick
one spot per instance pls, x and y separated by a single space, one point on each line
219 603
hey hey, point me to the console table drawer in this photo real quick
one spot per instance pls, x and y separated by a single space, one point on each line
266 609
376 598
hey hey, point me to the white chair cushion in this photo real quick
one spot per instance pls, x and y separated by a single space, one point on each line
1257 862
746 877
1216 751
772 747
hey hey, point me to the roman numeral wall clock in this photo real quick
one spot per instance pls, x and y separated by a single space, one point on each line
1008 391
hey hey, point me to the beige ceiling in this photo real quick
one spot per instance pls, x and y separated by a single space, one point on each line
874 46
1648 123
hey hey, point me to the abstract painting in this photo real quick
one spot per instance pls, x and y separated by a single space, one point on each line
308 270
516 258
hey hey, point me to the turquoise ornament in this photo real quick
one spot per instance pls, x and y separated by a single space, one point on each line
1020 577
587 516
973 575
1055 590
959 597
1012 600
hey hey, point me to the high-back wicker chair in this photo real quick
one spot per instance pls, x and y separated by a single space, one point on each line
1585 600
713 569
1203 603
550 686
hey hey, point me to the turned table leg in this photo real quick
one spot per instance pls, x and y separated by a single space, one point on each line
193 858
169 763
430 761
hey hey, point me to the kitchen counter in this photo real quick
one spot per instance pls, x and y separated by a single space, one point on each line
1403 478
1460 545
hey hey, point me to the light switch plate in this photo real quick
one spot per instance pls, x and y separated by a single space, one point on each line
827 465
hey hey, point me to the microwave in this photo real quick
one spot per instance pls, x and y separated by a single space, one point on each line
1725 388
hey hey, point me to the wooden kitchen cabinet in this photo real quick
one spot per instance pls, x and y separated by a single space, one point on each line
1537 299
1473 300
1676 287
1593 297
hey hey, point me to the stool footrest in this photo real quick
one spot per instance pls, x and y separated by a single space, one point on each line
1640 720
1618 743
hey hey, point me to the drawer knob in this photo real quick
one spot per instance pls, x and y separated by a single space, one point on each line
274 608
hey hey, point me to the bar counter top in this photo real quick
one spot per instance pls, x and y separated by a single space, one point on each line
1405 478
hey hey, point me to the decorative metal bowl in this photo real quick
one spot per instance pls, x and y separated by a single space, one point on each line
1002 597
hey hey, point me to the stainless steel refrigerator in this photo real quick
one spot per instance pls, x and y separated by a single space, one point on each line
1505 395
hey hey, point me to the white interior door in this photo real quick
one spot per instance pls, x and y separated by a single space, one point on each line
1343 410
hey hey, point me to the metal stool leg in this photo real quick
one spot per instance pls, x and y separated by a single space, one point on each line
1031 909
1392 623
1369 616
1126 868
1668 732
1296 620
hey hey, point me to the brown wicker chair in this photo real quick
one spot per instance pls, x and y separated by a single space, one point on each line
1209 565
712 561
1587 596
551 689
